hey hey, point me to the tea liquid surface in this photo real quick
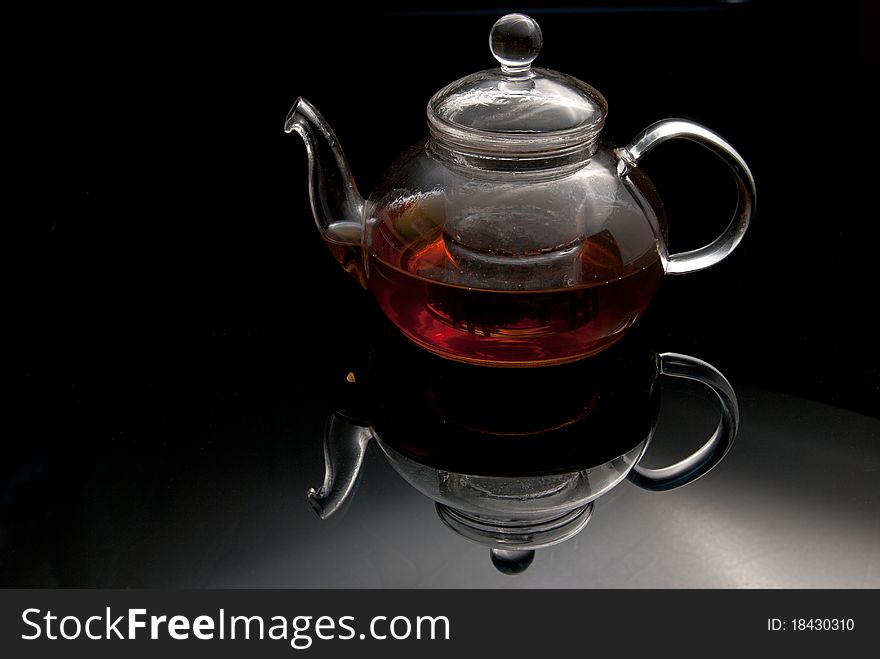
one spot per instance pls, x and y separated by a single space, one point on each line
510 327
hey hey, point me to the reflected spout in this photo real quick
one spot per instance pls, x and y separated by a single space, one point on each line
345 444
336 204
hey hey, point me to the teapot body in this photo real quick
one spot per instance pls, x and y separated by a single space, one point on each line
512 268
514 235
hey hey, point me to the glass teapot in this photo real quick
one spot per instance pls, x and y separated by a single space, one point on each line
513 235
514 460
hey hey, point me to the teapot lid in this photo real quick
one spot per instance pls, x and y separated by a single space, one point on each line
516 110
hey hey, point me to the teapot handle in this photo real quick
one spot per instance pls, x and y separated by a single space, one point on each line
718 249
712 452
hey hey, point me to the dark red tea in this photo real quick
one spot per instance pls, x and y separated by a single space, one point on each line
512 327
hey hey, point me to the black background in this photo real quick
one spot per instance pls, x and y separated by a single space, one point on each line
164 271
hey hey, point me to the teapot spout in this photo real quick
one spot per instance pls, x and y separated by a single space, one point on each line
336 204
345 444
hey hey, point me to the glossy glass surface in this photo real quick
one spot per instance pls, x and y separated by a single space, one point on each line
508 270
513 236
512 461
516 109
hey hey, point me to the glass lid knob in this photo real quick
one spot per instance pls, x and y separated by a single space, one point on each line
515 41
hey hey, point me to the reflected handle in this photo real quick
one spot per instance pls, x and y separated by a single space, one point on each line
718 249
712 452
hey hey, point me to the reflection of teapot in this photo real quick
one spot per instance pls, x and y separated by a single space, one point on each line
513 235
514 459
